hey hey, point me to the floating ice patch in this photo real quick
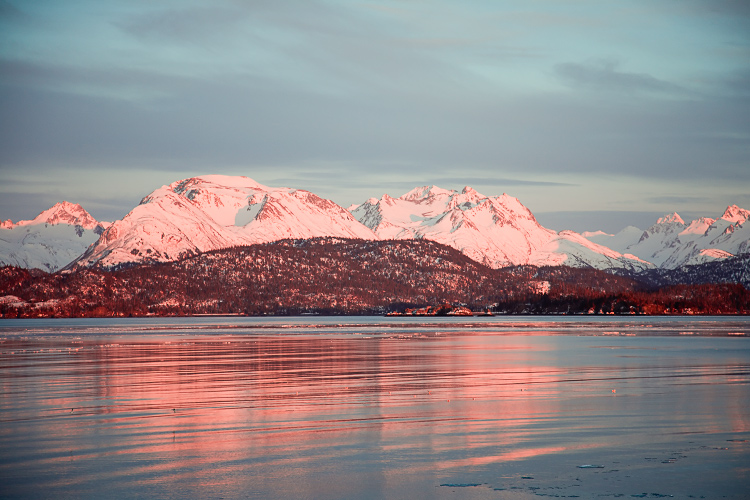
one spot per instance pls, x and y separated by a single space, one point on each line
651 495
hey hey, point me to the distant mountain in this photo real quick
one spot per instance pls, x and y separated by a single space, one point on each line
671 243
496 231
211 212
51 240
207 213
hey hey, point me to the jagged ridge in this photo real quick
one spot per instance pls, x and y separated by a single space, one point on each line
671 243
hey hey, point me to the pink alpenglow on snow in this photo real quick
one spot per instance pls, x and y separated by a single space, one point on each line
64 212
497 231
213 212
51 240
735 214
671 243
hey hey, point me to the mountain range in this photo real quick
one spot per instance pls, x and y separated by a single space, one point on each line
206 213
496 231
673 243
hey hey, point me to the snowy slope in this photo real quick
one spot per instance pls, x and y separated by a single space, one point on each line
572 249
672 243
618 242
212 212
497 231
51 240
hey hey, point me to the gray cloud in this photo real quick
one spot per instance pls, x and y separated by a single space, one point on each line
353 100
731 8
736 83
676 199
9 11
603 74
117 84
186 24
248 121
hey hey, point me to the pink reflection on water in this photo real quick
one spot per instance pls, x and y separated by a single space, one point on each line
240 411
508 456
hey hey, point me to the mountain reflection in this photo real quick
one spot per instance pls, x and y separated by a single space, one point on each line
283 415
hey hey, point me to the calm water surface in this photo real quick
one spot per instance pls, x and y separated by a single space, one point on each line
375 408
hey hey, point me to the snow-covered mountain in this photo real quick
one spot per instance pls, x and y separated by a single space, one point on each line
51 240
497 231
214 211
671 242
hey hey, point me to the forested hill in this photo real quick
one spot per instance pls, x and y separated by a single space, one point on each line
339 276
731 270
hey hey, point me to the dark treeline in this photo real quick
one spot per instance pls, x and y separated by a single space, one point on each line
732 270
338 276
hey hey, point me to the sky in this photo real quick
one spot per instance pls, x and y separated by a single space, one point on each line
595 114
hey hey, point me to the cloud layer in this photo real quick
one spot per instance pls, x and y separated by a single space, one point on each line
588 107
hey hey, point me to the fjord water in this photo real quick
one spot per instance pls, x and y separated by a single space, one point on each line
503 407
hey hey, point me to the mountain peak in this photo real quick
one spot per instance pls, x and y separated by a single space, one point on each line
672 218
733 213
227 181
212 212
65 207
590 234
425 192
63 212
50 240
496 231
